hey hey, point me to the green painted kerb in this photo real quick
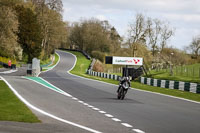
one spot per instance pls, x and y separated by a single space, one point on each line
43 82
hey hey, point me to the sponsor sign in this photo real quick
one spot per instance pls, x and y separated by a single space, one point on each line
127 60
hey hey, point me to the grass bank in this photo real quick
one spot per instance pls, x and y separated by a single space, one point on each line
53 64
187 73
12 109
82 64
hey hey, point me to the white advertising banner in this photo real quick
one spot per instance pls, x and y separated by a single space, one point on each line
127 61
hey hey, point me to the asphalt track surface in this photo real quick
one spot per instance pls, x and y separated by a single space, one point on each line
151 113
148 112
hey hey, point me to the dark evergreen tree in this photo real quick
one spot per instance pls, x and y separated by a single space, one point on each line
29 32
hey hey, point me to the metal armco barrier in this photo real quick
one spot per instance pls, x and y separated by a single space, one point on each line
179 85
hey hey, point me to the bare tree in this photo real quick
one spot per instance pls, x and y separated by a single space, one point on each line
166 33
195 46
56 5
137 32
154 31
137 29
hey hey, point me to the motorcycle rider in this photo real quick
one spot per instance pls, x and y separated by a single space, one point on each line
122 80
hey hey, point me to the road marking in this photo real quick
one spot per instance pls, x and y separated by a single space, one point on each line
10 71
90 106
74 98
108 115
80 101
138 131
126 125
103 112
45 113
115 119
85 104
96 109
45 83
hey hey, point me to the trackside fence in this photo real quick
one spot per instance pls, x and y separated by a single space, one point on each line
179 85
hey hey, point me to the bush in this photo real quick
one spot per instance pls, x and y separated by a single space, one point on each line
98 66
98 55
5 60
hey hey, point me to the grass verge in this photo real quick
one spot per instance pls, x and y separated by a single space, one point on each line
54 63
12 109
188 73
82 64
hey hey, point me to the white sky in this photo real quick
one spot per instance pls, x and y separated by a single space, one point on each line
183 15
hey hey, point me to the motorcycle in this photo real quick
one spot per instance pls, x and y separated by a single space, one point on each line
123 87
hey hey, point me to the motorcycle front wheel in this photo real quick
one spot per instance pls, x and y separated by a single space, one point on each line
120 93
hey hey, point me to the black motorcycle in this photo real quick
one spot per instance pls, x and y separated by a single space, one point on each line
124 85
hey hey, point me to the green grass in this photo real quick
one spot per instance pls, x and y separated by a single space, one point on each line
189 73
12 109
56 59
83 63
43 62
54 63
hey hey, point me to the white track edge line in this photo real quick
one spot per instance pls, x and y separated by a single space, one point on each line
45 113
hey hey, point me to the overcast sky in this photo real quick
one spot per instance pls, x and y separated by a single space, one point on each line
183 15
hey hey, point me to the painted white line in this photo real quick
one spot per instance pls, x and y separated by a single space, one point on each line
115 119
90 106
65 93
85 104
96 109
80 101
103 112
61 92
75 98
10 71
131 88
126 125
138 131
108 115
48 114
